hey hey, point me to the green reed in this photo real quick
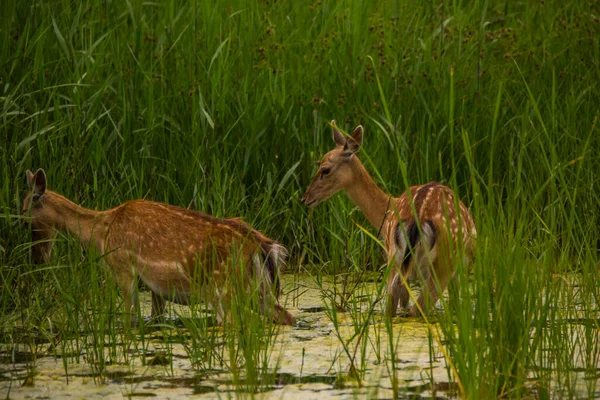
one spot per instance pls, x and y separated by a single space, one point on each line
222 107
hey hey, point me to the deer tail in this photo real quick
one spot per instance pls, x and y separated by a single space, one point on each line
426 234
274 255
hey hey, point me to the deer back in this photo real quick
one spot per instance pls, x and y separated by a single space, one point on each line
161 234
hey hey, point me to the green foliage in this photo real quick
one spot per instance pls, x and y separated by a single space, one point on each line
221 106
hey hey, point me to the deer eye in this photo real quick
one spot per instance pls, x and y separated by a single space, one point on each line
325 172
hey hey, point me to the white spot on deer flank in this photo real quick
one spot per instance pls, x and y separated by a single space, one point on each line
427 196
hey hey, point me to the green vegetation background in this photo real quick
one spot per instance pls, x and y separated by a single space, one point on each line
222 106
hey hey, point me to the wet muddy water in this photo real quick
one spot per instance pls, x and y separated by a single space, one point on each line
307 361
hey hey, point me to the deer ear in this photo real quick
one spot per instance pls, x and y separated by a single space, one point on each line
29 178
357 135
38 184
338 137
353 143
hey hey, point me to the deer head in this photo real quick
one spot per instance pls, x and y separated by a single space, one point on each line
335 171
42 231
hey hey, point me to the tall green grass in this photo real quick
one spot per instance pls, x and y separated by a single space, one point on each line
222 106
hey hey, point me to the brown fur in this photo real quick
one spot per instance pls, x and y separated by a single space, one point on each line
174 251
434 205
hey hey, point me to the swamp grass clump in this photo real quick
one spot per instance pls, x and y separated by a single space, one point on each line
222 107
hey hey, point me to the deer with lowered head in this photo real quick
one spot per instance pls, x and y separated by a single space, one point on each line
425 230
172 250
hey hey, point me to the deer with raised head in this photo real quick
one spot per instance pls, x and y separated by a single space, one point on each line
425 230
172 250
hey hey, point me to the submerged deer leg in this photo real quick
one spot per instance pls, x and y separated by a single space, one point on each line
397 294
282 316
267 300
404 296
429 296
127 281
394 290
218 306
158 306
128 286
434 288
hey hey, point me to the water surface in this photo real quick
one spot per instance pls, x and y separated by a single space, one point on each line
310 360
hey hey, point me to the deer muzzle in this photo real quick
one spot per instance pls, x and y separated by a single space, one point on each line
308 200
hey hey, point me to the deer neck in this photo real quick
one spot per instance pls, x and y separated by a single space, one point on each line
365 193
87 225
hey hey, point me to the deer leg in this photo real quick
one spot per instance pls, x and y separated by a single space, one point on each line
435 286
158 306
399 296
280 315
128 286
267 300
220 315
218 305
394 292
404 296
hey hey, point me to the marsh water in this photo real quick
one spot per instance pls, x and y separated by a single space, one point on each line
328 354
